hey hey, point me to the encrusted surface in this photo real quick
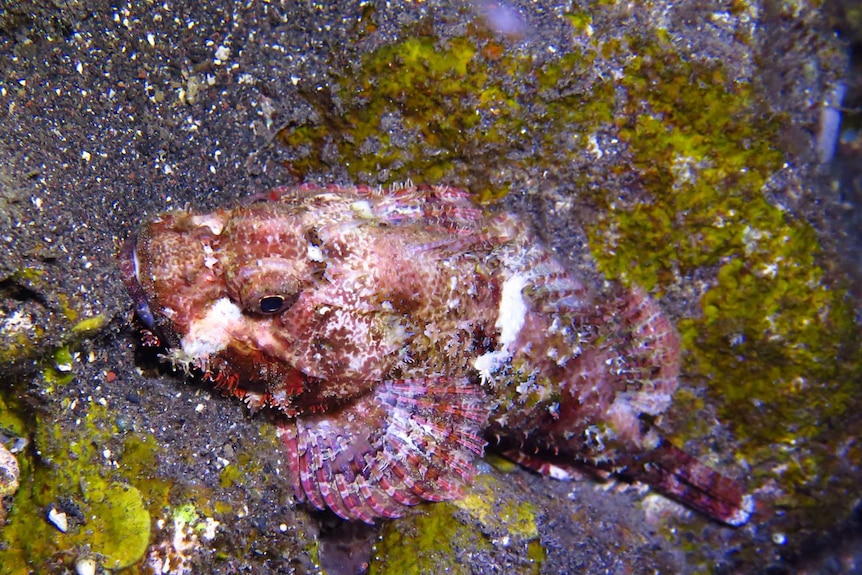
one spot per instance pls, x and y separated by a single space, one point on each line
596 115
393 329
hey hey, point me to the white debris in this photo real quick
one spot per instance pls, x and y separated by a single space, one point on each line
85 566
213 222
362 209
510 320
513 310
209 530
222 53
315 254
212 333
594 147
58 519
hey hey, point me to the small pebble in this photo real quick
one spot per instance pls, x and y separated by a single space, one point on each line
8 472
85 566
58 519
222 54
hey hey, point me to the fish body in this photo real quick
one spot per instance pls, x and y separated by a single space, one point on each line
398 332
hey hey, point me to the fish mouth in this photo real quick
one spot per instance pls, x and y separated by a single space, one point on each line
129 268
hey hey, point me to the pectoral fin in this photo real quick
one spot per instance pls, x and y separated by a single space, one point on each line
408 441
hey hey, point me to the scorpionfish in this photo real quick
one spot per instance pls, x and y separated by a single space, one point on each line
395 334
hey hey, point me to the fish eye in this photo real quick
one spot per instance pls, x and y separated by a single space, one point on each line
271 303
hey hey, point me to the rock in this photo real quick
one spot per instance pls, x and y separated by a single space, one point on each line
8 472
85 566
58 519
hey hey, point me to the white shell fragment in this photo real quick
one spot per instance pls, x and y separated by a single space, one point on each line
58 519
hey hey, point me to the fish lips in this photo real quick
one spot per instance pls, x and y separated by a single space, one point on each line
130 266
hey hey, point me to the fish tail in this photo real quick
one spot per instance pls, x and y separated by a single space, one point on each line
682 477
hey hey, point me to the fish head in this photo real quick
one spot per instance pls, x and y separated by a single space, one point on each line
254 299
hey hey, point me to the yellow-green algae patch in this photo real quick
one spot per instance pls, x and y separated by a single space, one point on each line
90 325
440 93
187 515
776 343
11 420
122 520
517 520
437 539
426 542
27 334
702 155
107 506
61 370
233 473
20 338
461 106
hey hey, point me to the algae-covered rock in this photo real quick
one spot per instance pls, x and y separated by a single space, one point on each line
507 519
9 474
670 147
484 525
121 526
73 498
431 541
667 144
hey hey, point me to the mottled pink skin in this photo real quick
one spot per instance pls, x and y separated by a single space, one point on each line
397 330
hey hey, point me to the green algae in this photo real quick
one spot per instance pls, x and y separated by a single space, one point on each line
463 107
536 553
108 506
426 543
31 277
776 341
439 539
516 519
230 475
186 515
11 419
781 352
121 525
20 338
440 93
66 308
89 325
20 345
61 370
233 473
45 321
702 156
501 464
581 20
246 463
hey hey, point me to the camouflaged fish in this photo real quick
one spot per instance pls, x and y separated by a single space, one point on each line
399 332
